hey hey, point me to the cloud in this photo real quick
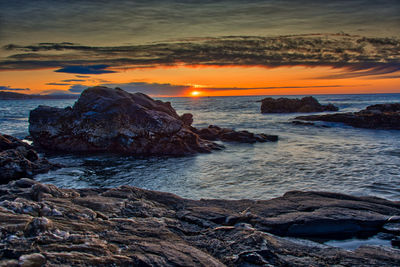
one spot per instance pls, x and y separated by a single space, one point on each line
335 50
371 70
73 80
82 76
59 84
89 21
77 88
55 92
8 88
89 69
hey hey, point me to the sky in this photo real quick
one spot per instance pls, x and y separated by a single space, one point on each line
201 48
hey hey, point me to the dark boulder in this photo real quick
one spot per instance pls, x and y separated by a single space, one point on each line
303 123
289 105
381 116
18 159
112 120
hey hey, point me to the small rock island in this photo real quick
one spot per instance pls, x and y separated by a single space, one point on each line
113 120
379 116
289 105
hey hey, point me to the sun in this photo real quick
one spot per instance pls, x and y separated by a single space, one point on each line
195 93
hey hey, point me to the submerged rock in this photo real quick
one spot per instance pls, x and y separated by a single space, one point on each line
112 120
289 105
18 159
381 116
229 135
131 226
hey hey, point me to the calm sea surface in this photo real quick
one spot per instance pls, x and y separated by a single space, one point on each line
336 158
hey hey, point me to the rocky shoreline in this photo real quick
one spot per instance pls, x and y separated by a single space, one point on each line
43 225
128 226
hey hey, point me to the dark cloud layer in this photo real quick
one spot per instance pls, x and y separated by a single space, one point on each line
89 69
8 88
58 84
366 70
362 56
73 80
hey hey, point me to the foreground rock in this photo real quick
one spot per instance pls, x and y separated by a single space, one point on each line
381 116
112 120
289 105
18 159
131 226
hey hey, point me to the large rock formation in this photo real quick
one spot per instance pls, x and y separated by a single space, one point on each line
42 224
289 105
18 159
381 116
112 120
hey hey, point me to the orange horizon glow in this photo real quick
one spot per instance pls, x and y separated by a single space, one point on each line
195 93
199 81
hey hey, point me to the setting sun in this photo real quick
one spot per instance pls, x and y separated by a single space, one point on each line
195 93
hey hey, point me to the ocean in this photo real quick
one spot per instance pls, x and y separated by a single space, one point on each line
326 157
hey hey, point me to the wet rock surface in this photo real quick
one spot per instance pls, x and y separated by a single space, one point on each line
44 225
380 116
112 120
290 105
18 159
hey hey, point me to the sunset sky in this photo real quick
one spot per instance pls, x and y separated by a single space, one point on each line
201 48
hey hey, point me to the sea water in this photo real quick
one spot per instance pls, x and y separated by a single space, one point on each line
326 157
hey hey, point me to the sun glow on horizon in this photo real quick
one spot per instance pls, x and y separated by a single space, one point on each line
195 93
186 81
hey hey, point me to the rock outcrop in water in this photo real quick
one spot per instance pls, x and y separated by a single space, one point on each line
381 116
229 135
289 105
43 224
18 159
112 120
